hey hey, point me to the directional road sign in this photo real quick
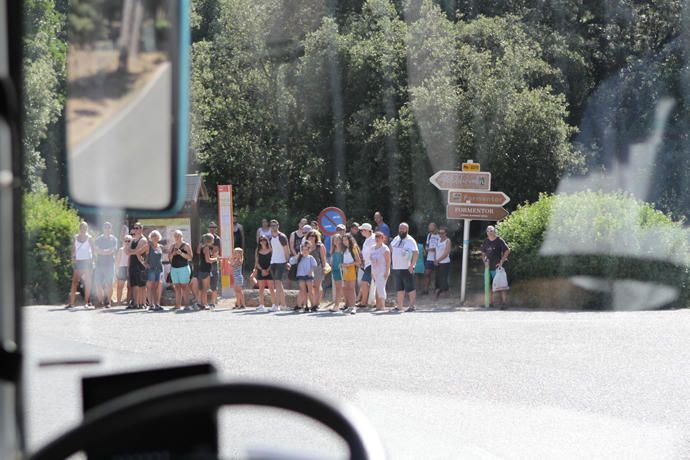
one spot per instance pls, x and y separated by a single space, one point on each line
448 180
475 212
472 197
329 219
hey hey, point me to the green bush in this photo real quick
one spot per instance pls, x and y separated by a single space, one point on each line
49 224
607 236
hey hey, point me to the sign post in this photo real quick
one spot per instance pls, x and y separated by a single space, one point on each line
465 254
470 198
328 220
225 230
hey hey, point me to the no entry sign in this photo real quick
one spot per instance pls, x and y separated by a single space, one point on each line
329 219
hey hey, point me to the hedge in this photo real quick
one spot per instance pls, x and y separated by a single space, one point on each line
607 236
49 225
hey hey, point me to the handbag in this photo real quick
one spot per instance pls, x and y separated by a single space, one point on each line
326 268
500 280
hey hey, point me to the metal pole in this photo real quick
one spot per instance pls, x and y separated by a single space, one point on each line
465 252
487 286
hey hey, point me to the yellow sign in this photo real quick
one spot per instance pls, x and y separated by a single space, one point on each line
473 167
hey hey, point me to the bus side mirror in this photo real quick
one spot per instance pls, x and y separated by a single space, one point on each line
127 105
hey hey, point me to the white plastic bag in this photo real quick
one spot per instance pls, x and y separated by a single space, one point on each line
500 280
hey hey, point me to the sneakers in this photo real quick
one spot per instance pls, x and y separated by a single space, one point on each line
314 309
396 310
261 309
188 308
274 308
296 309
353 310
211 306
411 308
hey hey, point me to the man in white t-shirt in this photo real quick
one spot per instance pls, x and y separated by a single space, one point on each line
279 258
369 242
404 257
432 239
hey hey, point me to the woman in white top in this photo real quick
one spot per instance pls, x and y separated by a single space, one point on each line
442 262
122 264
380 268
264 230
82 258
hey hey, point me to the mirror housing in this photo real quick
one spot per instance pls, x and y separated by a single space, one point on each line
127 106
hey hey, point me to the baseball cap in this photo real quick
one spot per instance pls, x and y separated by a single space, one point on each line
307 228
366 226
340 227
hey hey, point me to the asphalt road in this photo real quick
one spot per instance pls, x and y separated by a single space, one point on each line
436 383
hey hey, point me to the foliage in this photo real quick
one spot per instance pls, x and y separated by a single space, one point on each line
609 236
44 68
49 225
373 104
356 103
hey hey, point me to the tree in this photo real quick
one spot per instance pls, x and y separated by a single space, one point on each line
44 68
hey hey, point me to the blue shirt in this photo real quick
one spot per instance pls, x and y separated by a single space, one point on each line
306 266
383 228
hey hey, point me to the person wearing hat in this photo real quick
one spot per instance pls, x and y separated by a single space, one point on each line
369 241
340 230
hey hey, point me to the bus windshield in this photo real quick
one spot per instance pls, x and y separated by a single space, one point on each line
467 219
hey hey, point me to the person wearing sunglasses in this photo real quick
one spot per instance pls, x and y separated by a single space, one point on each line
380 268
137 252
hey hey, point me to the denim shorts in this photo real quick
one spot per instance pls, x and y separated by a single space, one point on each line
305 278
122 273
366 277
153 274
429 265
203 275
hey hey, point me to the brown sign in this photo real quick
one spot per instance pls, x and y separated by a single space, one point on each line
470 197
475 212
472 167
448 180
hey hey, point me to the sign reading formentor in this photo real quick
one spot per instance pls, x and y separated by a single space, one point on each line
448 180
471 197
475 212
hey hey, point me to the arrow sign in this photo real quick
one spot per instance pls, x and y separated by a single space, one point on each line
483 198
447 180
475 212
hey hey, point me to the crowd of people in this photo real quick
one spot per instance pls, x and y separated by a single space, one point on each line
364 263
